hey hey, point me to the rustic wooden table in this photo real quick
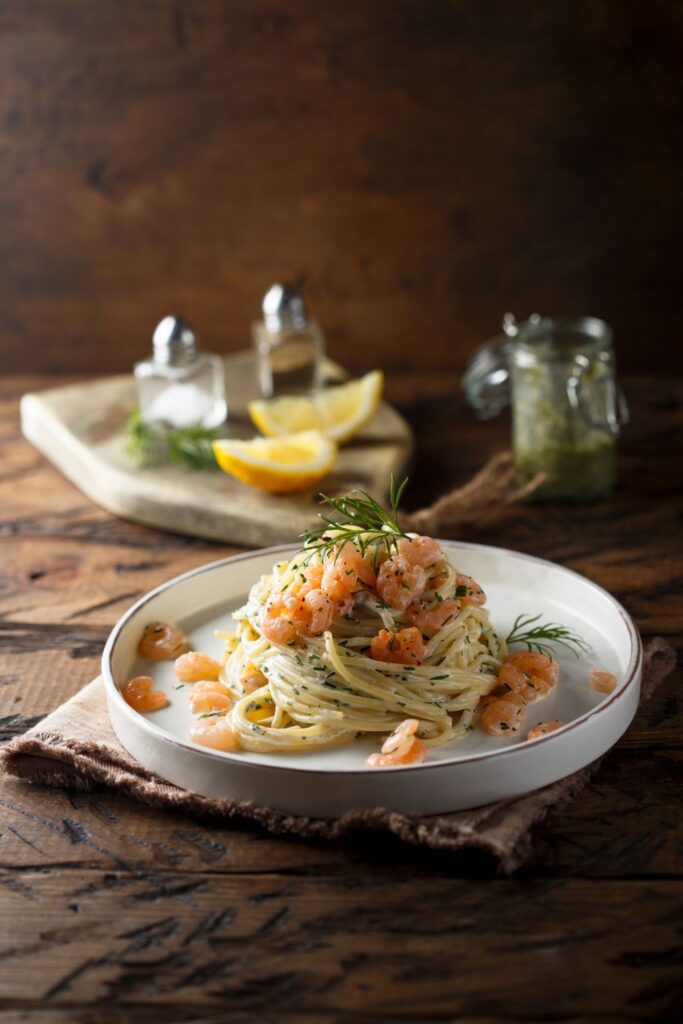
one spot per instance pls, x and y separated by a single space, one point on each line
111 911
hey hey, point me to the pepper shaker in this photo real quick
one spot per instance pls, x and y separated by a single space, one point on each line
179 385
289 345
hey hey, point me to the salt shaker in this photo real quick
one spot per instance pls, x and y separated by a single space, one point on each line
567 409
290 346
179 385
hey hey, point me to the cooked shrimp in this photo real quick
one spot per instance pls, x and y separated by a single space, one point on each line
138 693
306 579
531 688
343 609
252 678
316 614
503 714
216 733
399 582
162 641
536 664
278 624
287 616
512 677
400 739
403 648
535 689
346 572
603 682
210 695
429 620
195 665
530 674
544 727
468 591
424 551
401 747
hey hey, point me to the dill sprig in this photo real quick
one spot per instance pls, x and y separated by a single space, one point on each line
154 444
541 638
359 518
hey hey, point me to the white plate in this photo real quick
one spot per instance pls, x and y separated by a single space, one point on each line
474 771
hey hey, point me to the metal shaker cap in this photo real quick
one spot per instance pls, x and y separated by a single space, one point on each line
283 309
174 342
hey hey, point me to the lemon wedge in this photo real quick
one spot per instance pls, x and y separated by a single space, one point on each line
339 411
279 465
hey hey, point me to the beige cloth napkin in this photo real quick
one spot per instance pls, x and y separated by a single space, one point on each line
75 747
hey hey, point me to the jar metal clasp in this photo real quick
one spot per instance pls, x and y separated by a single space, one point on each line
613 413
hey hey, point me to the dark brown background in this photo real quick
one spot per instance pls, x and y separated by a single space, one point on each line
418 167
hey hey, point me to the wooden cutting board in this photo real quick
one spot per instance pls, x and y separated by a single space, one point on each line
80 429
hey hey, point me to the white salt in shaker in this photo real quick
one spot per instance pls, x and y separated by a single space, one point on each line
179 385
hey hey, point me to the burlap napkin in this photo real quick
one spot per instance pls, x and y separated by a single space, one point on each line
75 748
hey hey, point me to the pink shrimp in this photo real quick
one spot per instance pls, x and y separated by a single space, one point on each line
401 747
530 674
278 622
399 582
346 572
343 609
468 591
403 648
306 580
535 689
195 665
603 682
287 616
502 714
424 551
543 728
430 619
536 664
162 641
316 614
210 696
216 733
138 693
252 678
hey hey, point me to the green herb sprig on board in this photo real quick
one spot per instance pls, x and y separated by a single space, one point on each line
358 517
154 444
544 636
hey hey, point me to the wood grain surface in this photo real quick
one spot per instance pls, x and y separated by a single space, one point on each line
418 167
112 912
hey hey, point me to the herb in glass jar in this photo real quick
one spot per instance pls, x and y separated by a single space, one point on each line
566 408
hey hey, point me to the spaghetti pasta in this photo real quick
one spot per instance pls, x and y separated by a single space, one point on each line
308 670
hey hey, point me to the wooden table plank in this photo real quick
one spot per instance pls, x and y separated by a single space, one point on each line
265 943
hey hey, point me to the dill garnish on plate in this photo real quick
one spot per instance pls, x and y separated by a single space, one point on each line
544 636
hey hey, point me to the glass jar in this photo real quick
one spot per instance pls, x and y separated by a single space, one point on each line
180 385
566 408
290 347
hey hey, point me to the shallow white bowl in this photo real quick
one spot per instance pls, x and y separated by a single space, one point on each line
476 770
